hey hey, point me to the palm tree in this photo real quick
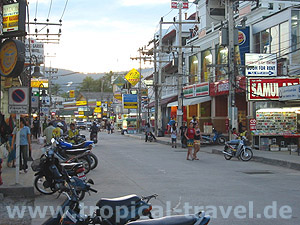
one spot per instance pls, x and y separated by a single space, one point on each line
55 89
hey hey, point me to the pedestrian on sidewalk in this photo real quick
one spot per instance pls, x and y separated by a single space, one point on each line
108 128
197 141
25 144
48 132
11 159
190 134
182 130
174 135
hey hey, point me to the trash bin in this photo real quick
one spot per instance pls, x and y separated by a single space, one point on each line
160 133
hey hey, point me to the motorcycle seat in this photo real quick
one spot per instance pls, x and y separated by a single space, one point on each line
80 145
168 220
75 151
69 166
121 201
233 142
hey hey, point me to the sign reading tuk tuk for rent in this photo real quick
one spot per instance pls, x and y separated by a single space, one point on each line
133 77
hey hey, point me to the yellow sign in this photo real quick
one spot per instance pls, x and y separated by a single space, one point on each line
8 57
36 83
97 110
81 112
99 103
10 17
72 94
118 96
81 102
130 105
133 77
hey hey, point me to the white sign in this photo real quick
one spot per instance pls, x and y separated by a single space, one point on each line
37 52
261 65
34 101
45 110
18 109
18 96
289 92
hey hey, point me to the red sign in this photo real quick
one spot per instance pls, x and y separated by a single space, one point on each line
222 87
252 124
266 89
175 4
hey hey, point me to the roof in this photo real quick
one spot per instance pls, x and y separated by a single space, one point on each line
164 101
97 95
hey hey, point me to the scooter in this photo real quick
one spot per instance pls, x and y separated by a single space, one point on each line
217 138
237 148
70 149
94 137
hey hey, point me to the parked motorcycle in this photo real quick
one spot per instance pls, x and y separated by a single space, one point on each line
149 137
49 178
217 138
237 148
71 149
94 137
132 205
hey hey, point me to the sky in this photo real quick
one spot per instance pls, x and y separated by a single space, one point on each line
99 35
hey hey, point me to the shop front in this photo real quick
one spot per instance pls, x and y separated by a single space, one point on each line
275 126
219 92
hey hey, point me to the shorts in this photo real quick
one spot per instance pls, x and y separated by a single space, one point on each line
174 140
197 142
190 143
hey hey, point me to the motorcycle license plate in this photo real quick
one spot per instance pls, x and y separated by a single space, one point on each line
81 176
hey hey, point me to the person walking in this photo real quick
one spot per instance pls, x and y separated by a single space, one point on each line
148 132
108 128
197 141
11 159
182 130
190 134
35 127
174 135
48 132
25 143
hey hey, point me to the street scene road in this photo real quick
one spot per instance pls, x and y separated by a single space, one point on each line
232 192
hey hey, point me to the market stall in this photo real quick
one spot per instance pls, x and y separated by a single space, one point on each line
277 129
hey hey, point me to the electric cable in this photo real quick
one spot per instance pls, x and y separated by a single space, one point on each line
49 11
63 13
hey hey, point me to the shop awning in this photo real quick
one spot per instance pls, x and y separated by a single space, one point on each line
191 101
163 101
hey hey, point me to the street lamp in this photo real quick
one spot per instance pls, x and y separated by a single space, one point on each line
43 94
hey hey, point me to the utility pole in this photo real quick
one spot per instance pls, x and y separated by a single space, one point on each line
155 87
231 66
180 70
158 112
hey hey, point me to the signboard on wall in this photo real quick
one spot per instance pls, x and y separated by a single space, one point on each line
130 101
267 88
37 51
222 87
261 65
291 92
196 90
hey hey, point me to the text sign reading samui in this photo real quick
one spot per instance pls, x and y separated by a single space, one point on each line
261 65
133 77
267 88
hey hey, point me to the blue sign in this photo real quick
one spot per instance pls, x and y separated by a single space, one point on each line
130 98
244 43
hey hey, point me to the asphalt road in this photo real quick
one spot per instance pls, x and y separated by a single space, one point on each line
232 192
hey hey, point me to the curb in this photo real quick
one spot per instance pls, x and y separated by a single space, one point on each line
17 191
273 162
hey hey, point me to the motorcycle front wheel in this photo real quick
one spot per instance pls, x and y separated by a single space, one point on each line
86 163
40 183
94 160
246 154
221 140
227 157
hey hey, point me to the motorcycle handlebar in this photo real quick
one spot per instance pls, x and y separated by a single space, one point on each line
93 190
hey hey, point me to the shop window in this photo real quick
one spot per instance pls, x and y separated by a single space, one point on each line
257 43
284 39
193 110
274 39
222 58
194 69
265 41
295 38
205 108
206 59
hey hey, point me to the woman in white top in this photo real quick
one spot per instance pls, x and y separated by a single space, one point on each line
174 135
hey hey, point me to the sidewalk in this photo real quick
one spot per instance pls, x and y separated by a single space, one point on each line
25 186
283 159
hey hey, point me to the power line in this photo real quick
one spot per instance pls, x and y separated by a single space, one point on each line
64 10
49 11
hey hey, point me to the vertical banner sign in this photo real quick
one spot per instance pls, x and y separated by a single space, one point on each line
72 94
252 124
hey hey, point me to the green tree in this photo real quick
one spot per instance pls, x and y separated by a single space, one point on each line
55 89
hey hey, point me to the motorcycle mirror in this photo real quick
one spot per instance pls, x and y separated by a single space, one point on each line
90 181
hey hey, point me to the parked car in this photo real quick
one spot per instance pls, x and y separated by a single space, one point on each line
81 125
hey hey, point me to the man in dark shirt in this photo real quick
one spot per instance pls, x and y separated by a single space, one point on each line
182 132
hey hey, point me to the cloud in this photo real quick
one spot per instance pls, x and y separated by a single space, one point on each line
143 2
